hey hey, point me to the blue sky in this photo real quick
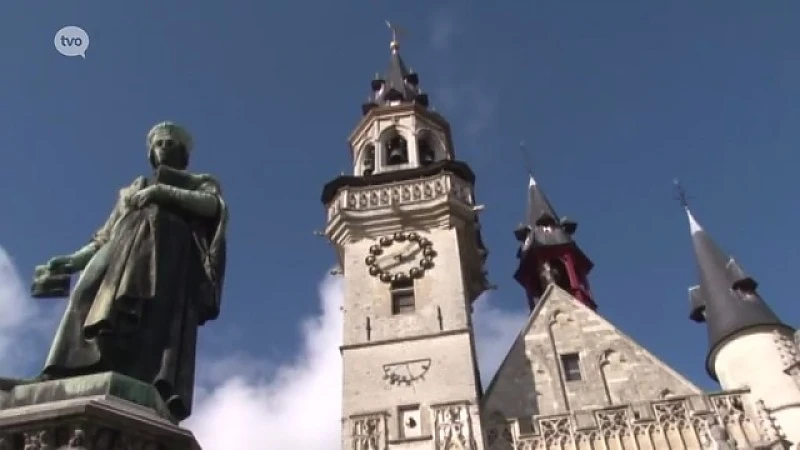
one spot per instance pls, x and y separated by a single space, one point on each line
614 100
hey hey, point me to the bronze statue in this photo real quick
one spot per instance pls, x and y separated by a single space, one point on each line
149 277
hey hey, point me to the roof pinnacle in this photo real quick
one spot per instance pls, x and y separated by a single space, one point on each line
680 193
394 45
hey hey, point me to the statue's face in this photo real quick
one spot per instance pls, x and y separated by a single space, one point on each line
168 151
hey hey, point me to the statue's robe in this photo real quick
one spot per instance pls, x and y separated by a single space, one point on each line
136 308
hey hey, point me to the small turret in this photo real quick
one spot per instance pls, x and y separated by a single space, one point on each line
547 252
749 347
726 299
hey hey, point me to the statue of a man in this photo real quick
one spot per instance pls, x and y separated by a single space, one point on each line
149 277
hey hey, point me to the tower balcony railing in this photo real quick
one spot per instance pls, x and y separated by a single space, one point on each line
401 193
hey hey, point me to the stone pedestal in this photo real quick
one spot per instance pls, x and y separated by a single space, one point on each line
105 411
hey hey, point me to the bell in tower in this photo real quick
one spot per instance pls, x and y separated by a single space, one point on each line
397 151
426 153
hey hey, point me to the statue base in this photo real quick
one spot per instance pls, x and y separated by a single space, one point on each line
94 412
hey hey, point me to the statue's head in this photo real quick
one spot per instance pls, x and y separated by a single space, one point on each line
170 145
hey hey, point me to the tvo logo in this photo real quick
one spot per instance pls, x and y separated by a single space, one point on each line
72 41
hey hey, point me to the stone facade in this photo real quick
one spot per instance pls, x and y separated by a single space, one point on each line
617 396
610 368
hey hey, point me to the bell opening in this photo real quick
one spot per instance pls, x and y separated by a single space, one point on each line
396 151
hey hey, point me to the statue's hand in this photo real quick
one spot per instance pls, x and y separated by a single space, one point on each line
143 197
61 264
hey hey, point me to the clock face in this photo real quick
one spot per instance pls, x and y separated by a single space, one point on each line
400 249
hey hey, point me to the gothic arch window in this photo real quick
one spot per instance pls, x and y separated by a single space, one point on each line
368 161
396 150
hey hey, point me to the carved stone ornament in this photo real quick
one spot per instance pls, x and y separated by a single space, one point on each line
767 424
718 438
614 422
369 433
406 372
416 246
453 428
38 440
787 348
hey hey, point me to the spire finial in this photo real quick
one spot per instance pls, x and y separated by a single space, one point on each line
396 32
680 194
683 198
526 158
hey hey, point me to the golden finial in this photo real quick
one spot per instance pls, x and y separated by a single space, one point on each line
396 32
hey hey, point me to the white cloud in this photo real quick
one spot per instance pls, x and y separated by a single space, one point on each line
23 321
443 30
467 96
243 402
299 406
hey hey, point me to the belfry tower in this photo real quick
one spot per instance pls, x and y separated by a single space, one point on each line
405 228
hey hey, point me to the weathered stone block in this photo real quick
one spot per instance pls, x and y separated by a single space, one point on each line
95 412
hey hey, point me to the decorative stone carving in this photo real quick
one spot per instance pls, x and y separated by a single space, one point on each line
787 348
407 192
77 440
770 430
453 428
614 422
555 429
716 437
38 440
406 372
672 414
369 433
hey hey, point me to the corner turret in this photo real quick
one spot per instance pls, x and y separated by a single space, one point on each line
749 347
726 299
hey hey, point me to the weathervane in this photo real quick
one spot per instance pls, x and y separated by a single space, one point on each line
396 32
680 194
526 157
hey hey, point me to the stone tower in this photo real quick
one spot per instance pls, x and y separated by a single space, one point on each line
406 232
749 347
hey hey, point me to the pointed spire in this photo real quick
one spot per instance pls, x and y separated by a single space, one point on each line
726 298
398 85
542 225
547 253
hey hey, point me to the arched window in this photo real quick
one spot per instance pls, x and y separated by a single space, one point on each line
425 151
368 165
554 271
396 151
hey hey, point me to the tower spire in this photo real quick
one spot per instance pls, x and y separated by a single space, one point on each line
547 252
726 298
398 85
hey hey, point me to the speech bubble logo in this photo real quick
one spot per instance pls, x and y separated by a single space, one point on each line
72 41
